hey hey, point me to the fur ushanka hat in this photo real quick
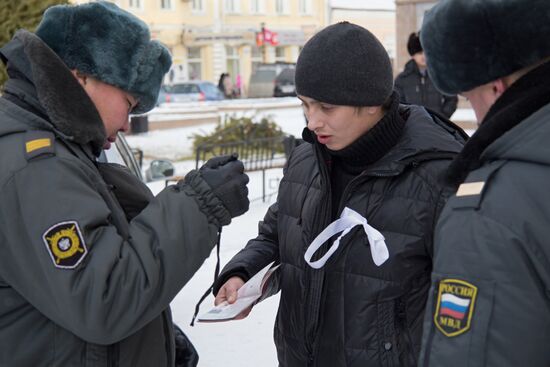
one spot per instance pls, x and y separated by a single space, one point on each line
110 44
469 43
344 64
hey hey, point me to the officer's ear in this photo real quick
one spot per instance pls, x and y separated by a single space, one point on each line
81 77
499 86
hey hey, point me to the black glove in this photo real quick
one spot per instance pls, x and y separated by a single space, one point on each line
186 354
225 176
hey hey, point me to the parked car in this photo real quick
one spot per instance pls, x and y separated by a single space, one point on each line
121 153
164 95
193 91
272 80
284 84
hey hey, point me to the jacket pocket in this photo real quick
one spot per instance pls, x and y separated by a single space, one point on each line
457 318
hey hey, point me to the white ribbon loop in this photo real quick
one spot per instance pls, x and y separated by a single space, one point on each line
347 221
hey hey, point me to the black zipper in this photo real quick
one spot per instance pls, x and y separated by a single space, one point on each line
316 276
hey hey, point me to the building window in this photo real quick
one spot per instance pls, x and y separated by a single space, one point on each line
257 6
194 63
304 7
197 6
166 4
135 4
281 7
232 6
280 54
232 62
256 57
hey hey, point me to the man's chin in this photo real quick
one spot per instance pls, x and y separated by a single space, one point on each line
107 145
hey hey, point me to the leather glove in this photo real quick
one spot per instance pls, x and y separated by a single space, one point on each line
225 176
186 354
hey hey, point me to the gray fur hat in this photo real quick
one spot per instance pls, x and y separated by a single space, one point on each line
110 44
469 43
344 64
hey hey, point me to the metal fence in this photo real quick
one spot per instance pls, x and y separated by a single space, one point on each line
256 154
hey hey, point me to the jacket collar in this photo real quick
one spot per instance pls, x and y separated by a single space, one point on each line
526 96
42 80
425 136
412 68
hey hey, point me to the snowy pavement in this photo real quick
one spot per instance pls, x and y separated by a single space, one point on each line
243 343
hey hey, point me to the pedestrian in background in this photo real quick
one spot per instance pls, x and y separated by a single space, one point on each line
225 85
415 86
85 280
366 161
490 299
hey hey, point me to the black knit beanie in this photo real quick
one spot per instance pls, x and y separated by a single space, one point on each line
344 64
413 44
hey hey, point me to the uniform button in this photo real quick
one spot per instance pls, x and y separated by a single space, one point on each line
387 346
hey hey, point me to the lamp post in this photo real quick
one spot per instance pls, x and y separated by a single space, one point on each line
264 58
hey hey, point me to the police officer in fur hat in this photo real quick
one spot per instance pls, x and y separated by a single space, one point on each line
490 298
374 169
82 280
415 85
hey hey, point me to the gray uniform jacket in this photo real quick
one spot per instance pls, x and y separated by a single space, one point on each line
489 303
79 285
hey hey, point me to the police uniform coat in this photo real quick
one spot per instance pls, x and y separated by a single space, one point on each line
489 302
351 312
79 284
417 88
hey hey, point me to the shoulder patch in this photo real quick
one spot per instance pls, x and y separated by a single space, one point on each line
455 306
470 188
65 244
470 193
38 143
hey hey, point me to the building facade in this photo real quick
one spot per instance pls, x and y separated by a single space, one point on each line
211 37
409 17
378 16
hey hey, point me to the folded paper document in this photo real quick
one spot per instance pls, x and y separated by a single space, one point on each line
258 288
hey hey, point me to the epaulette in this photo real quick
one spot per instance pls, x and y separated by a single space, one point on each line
39 143
470 193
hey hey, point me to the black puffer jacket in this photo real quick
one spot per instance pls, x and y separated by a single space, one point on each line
416 88
351 312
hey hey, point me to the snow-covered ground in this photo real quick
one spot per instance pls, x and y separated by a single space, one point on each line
243 343
248 342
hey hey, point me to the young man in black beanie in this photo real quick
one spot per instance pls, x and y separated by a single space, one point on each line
490 298
370 162
415 86
81 282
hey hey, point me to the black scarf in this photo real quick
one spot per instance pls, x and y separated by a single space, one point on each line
522 99
349 162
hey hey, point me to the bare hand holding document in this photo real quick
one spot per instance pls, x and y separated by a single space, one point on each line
254 291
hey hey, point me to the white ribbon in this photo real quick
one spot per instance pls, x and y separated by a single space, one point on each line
347 221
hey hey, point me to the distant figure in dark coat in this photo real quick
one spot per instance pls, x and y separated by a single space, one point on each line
415 86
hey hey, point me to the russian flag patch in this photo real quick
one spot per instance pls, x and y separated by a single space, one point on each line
455 306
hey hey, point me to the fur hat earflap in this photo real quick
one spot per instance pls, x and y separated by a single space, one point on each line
110 44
